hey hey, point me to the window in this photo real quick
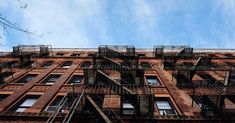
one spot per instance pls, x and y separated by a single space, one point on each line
3 96
164 107
47 64
27 78
51 79
85 64
152 80
26 103
60 54
55 104
76 54
76 79
145 65
141 55
66 64
128 108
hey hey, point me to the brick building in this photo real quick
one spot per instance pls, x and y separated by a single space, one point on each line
165 83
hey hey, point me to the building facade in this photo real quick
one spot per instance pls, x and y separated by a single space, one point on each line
117 83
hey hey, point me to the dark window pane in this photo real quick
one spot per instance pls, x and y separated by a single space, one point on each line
128 108
51 79
76 54
152 80
76 79
27 78
66 64
85 64
164 107
26 103
55 104
47 64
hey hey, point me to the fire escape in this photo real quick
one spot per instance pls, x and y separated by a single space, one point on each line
172 54
6 70
209 95
115 71
25 53
122 61
185 72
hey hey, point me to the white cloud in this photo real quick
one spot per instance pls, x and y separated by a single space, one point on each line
144 16
88 23
74 23
226 36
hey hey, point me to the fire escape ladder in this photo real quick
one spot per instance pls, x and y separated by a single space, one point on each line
58 110
127 70
73 107
110 113
100 112
125 62
120 65
116 83
122 90
115 115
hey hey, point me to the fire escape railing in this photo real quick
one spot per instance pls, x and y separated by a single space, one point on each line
124 61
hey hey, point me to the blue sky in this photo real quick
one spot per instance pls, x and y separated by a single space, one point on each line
143 23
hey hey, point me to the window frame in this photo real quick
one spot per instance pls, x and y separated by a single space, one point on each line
23 80
52 106
66 64
45 64
75 75
165 111
75 54
158 82
46 82
128 108
82 64
19 107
